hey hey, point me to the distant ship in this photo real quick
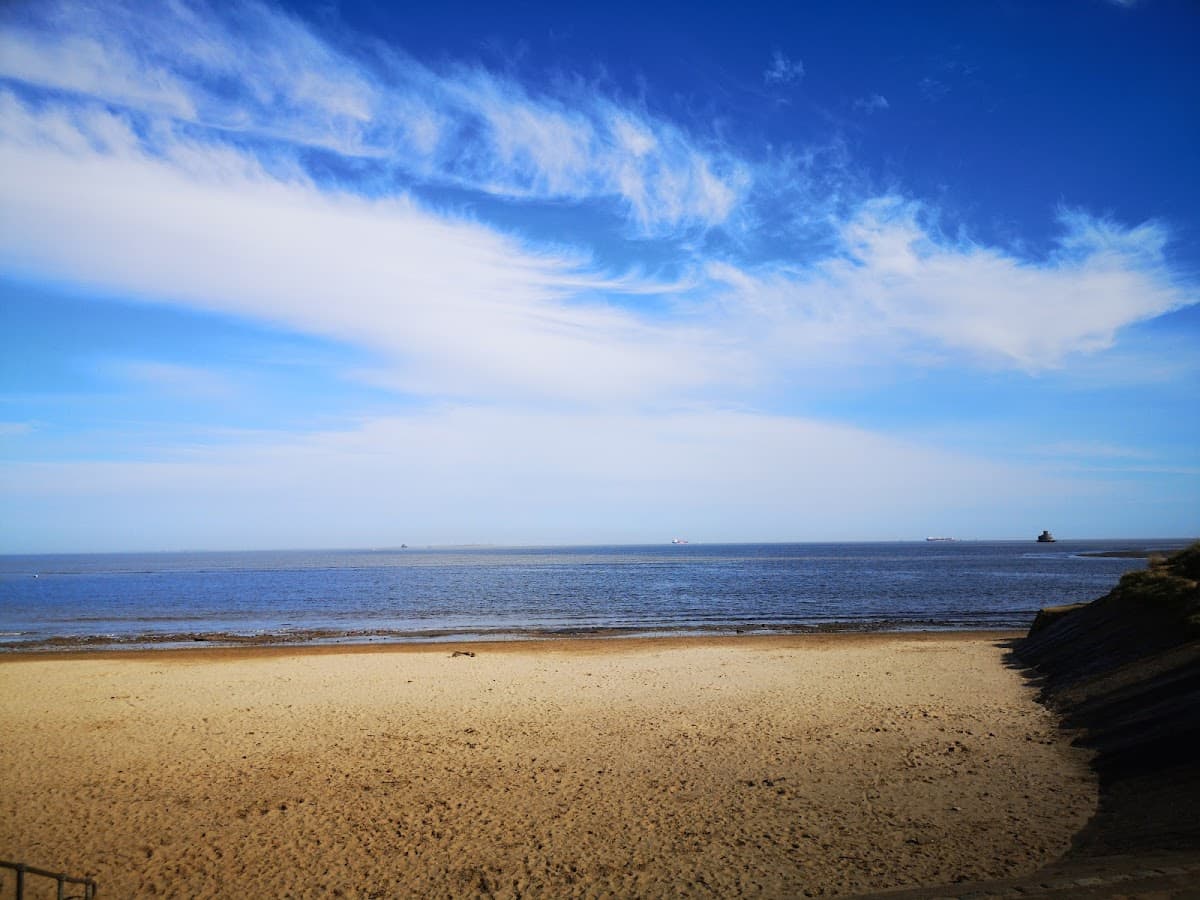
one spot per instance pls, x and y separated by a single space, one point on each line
1046 538
940 539
678 541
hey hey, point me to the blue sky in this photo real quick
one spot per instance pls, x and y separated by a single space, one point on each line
327 275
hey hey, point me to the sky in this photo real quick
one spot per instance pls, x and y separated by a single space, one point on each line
357 274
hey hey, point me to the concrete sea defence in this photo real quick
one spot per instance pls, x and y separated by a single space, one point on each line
1125 670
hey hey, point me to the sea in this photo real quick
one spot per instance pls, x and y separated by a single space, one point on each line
150 600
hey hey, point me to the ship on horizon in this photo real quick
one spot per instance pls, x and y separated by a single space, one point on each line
1046 538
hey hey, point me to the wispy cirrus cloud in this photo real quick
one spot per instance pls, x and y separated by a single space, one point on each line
872 103
232 160
160 155
782 69
898 287
459 308
255 71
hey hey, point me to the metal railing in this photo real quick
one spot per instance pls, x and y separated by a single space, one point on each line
89 886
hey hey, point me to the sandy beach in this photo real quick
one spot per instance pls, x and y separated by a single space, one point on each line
811 765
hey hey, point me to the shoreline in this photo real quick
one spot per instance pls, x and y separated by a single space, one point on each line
294 597
590 643
753 765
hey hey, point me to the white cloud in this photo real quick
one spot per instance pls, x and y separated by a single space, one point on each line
783 70
873 103
90 66
192 193
459 308
899 286
143 203
256 71
488 475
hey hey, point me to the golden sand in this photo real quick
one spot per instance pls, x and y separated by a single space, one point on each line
775 766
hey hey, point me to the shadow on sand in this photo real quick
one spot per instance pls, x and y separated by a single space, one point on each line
1123 675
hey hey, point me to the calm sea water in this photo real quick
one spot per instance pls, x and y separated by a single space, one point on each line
439 594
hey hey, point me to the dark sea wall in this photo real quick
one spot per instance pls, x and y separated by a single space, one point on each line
1125 671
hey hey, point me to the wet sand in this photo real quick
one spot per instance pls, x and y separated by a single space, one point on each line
754 766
